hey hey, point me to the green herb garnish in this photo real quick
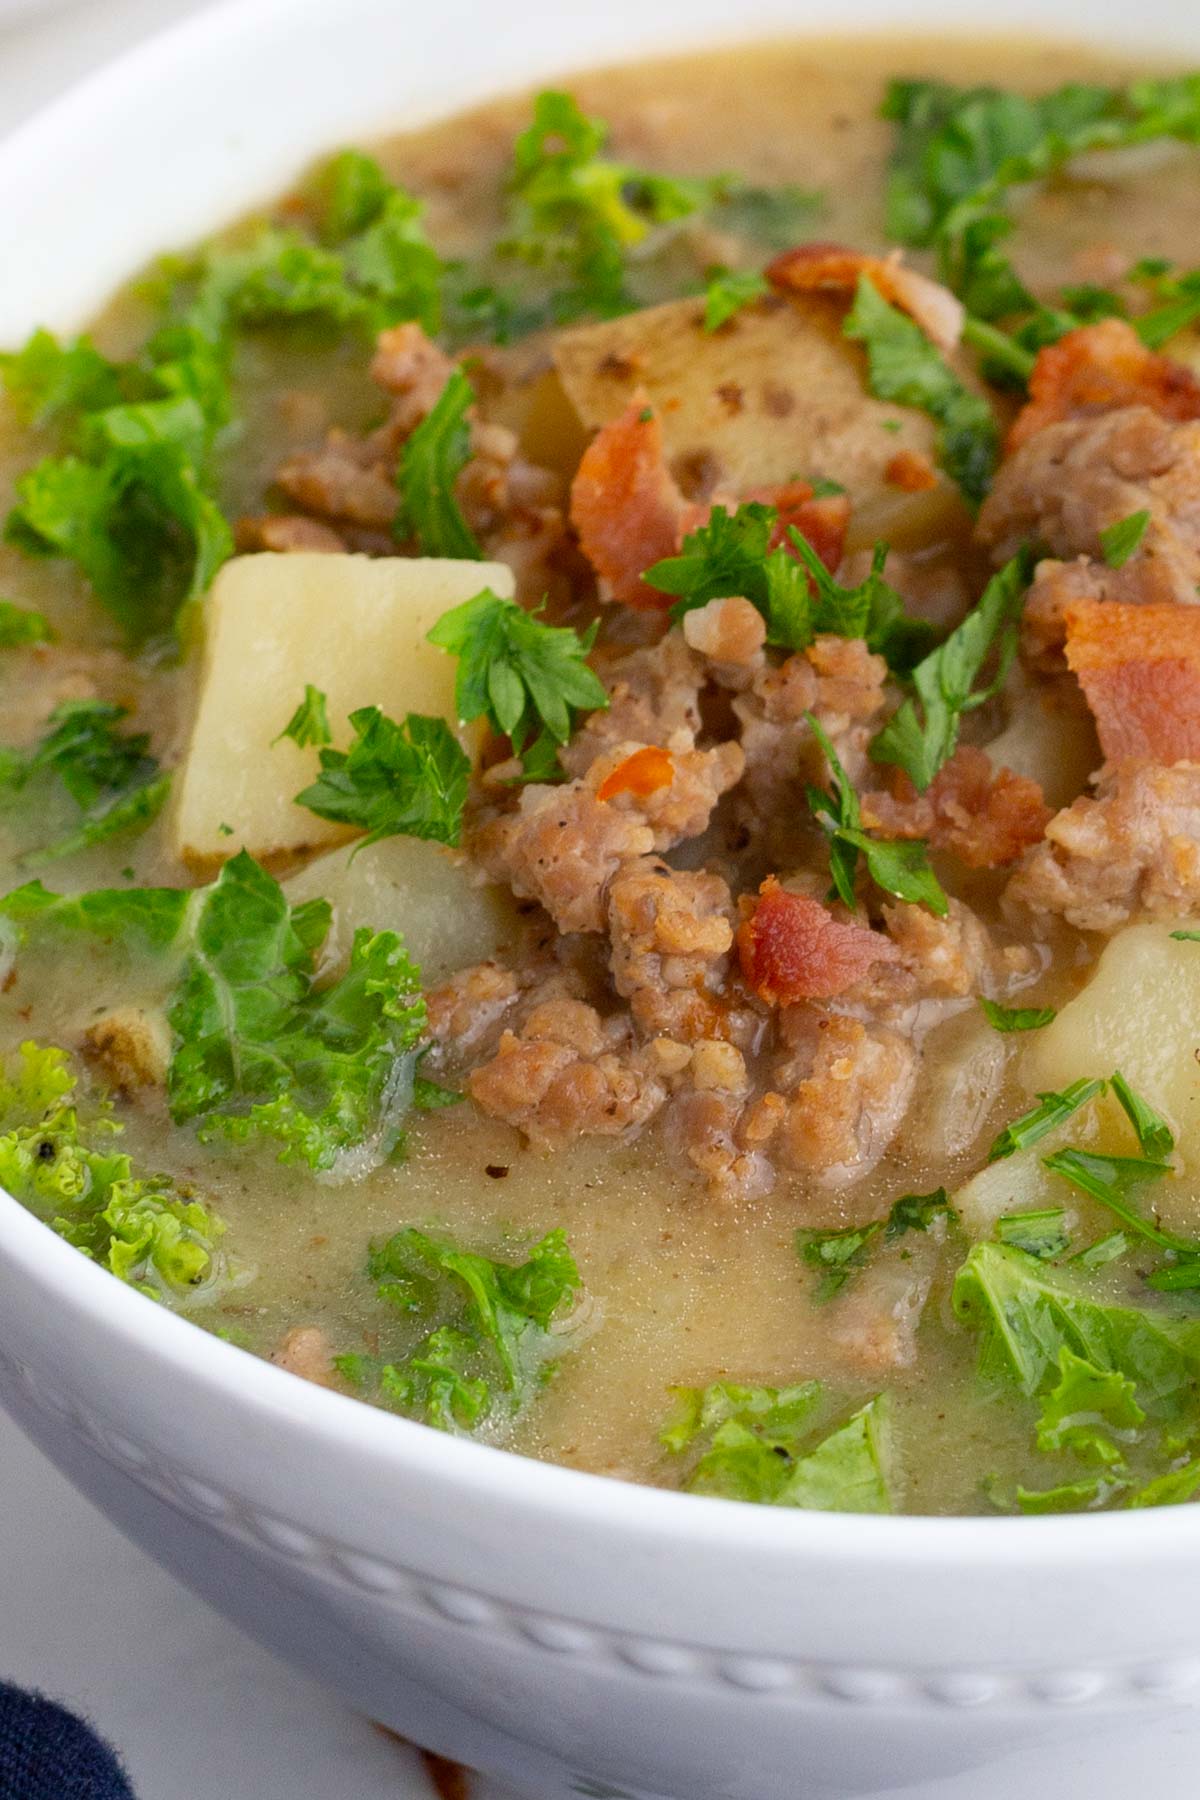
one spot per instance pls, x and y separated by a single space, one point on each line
407 779
899 868
922 734
529 680
1120 541
1017 1018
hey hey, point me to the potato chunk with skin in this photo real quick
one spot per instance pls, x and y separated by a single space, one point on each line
778 393
419 889
353 626
1139 1013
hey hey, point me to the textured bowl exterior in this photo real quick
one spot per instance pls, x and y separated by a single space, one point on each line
573 1636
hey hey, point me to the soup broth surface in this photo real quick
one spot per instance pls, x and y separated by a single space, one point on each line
681 1287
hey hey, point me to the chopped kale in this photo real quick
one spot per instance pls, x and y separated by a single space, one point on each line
115 785
21 626
68 1172
492 1330
758 1445
261 1050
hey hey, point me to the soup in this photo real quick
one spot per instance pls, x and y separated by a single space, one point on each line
602 779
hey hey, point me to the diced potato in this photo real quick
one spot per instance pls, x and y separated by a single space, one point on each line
1018 1183
355 627
1046 741
416 888
1139 1013
778 392
957 1095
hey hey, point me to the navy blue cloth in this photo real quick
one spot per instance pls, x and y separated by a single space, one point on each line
46 1753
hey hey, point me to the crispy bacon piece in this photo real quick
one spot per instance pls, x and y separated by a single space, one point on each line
986 817
1139 667
630 512
792 948
821 519
626 505
824 268
1096 369
643 773
911 472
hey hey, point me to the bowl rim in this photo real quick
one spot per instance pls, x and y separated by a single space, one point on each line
335 1422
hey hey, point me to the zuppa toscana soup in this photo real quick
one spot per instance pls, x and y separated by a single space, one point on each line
601 779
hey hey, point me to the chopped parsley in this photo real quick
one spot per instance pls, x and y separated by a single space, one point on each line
113 784
907 369
1121 541
408 778
922 734
758 1445
728 292
309 724
899 868
1017 1018
1186 937
529 680
731 555
431 461
492 1330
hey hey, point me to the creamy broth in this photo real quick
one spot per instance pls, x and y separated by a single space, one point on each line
681 1287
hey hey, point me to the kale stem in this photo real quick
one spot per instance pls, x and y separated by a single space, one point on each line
990 341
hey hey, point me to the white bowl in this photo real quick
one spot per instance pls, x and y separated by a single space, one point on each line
569 1634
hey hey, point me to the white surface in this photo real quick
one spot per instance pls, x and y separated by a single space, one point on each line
201 1715
196 1710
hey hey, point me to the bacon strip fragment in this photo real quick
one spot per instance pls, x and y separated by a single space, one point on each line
792 948
833 268
820 519
1097 369
630 513
986 817
643 773
1139 667
626 505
